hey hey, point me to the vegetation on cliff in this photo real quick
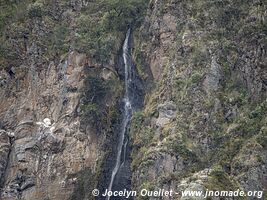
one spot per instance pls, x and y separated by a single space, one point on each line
206 55
205 66
98 29
102 25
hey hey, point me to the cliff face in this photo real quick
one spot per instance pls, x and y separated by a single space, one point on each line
51 146
203 123
45 145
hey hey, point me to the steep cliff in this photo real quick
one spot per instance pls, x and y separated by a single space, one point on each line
203 124
59 102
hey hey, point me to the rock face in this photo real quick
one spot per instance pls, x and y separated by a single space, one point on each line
199 129
47 145
203 124
166 113
53 140
5 150
213 77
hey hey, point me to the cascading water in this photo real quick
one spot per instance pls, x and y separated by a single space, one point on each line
127 112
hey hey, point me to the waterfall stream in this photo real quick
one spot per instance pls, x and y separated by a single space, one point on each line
127 112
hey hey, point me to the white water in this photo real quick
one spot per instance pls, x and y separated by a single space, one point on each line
126 114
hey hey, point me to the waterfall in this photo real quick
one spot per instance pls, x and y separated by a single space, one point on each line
126 112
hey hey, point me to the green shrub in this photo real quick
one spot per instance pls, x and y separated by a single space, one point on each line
96 88
93 107
196 77
219 180
91 110
198 56
102 26
180 149
100 100
179 84
35 10
262 138
137 119
57 41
